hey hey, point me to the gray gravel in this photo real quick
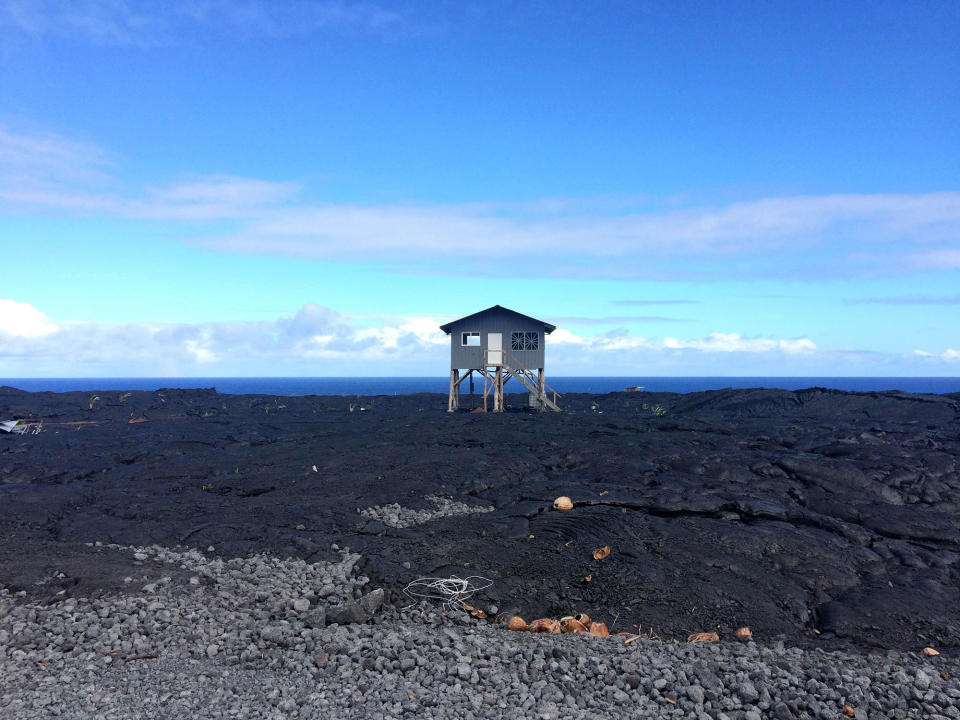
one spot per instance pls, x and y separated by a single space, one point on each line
252 638
398 516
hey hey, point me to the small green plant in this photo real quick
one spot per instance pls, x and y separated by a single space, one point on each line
659 410
207 488
94 399
123 398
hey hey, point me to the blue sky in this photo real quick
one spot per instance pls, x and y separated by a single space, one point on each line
247 187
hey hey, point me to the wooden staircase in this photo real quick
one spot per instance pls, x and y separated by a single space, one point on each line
505 366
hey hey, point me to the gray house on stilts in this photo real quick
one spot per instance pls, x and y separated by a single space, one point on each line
499 344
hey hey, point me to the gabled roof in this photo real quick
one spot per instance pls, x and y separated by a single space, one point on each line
547 327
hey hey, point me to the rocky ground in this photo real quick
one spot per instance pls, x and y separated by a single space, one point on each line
826 521
265 638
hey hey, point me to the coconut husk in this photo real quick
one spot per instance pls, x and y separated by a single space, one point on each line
704 637
598 629
545 625
601 553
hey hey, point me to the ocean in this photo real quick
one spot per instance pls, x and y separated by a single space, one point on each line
408 385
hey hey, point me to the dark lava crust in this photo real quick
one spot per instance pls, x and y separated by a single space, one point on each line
790 512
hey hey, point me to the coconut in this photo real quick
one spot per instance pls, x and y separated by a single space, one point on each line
517 623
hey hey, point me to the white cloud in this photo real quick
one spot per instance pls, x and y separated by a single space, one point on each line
313 334
46 155
781 237
320 341
22 320
212 197
948 355
796 237
713 343
562 336
48 172
157 22
31 341
199 353
948 259
744 229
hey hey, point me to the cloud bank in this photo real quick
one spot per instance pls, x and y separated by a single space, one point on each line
317 341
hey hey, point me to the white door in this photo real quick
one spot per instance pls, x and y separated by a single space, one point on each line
494 349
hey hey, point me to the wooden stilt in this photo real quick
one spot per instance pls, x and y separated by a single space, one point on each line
452 400
541 390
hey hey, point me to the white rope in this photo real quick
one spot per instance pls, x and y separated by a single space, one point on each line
451 591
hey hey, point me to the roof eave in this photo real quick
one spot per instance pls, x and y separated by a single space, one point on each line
448 327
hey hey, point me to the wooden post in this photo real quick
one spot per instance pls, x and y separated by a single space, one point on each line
541 390
451 400
498 390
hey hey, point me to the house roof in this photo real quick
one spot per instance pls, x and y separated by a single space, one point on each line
547 327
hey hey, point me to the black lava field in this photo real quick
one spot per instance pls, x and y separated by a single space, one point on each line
822 518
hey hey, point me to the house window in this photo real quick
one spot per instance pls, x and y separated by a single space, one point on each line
525 341
470 339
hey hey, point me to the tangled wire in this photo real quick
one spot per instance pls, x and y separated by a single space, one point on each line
451 591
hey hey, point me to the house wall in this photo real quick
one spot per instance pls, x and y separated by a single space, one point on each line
471 358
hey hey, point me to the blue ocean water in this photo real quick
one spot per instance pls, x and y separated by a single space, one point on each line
407 385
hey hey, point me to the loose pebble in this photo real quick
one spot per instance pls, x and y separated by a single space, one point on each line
264 637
